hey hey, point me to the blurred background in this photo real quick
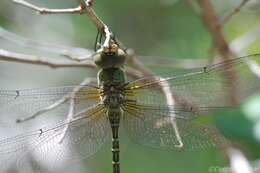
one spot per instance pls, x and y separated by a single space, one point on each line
159 31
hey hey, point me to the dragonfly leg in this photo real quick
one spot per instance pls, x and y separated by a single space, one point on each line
40 112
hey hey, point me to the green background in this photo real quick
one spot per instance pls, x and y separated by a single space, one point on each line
154 28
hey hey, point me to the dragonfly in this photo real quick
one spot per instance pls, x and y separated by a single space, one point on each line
165 111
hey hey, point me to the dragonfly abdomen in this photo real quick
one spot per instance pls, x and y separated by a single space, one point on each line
114 115
111 81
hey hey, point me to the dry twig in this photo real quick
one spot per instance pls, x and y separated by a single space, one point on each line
32 59
84 7
225 20
213 26
233 12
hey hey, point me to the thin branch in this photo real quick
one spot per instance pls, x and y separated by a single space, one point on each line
32 59
84 7
100 25
225 20
42 111
70 96
69 118
82 54
213 26
71 111
41 10
35 60
233 12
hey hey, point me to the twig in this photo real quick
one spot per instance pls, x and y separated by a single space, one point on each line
35 60
84 7
32 59
224 21
213 26
41 10
70 96
71 111
233 12
41 111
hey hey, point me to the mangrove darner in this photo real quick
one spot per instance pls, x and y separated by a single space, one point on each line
143 107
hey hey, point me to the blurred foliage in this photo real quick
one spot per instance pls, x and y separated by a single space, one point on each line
155 27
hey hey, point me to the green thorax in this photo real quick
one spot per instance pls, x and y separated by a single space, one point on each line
111 77
110 61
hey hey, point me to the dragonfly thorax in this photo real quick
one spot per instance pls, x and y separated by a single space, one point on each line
111 77
111 81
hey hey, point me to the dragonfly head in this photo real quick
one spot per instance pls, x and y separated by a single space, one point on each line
110 57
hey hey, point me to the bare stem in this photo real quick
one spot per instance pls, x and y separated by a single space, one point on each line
225 19
41 10
84 7
233 12
212 24
32 59
87 7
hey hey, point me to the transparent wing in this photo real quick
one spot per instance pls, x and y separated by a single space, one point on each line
166 112
168 128
51 146
28 102
203 87
15 43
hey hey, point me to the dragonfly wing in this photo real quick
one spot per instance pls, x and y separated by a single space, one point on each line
24 103
52 147
165 128
204 87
